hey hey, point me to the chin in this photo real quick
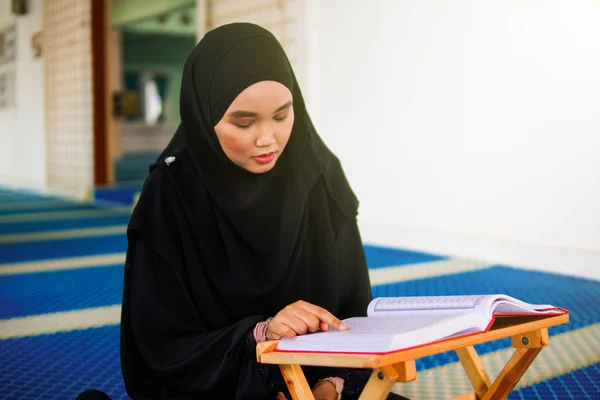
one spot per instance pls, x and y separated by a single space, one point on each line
261 169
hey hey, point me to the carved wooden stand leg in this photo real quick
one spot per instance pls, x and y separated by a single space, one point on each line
296 382
377 388
527 345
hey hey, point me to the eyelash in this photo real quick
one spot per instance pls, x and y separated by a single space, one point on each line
249 125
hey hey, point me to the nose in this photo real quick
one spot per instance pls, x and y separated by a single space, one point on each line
266 137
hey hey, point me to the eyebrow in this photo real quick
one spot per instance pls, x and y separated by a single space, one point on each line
249 114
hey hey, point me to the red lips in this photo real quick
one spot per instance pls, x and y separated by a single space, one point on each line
265 158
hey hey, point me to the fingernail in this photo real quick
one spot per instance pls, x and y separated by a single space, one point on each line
343 326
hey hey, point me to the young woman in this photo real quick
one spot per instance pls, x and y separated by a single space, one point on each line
245 231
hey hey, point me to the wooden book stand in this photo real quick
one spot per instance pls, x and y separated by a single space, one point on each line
529 335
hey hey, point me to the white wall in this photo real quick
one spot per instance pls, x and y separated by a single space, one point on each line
22 142
468 128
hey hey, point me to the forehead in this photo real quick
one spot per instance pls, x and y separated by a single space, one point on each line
262 94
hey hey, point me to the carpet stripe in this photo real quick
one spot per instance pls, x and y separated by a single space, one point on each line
60 322
64 234
60 225
54 215
48 203
403 273
62 264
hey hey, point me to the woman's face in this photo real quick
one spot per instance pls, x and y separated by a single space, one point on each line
257 126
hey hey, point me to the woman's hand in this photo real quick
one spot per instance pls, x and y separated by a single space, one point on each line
301 317
323 390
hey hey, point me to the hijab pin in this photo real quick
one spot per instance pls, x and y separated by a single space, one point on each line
169 160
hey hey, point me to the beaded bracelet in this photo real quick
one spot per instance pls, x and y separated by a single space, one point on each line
260 330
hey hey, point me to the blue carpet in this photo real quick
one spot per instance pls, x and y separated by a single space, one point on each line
61 365
57 225
42 250
583 383
379 257
60 291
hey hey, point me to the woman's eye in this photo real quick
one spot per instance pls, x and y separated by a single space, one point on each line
280 117
244 125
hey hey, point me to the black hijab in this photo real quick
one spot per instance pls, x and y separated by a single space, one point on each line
259 216
214 249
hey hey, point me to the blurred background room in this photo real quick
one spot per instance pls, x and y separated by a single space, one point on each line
469 130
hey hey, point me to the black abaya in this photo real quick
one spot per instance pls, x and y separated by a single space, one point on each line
178 340
214 249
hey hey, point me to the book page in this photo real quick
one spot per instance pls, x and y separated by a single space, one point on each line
385 334
420 304
506 305
391 324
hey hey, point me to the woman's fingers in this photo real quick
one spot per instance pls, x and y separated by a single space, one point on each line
287 325
323 326
302 317
311 321
297 319
280 396
323 315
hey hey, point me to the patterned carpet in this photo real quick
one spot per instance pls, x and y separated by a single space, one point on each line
61 266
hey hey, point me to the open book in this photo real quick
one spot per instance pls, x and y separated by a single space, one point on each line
398 323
